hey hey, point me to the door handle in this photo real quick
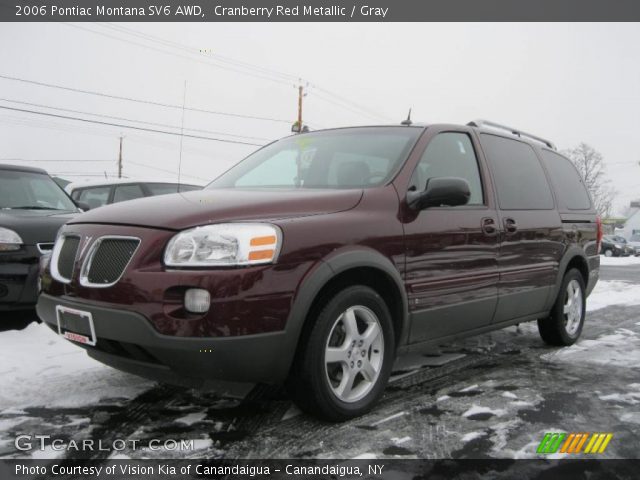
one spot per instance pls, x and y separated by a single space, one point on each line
510 226
489 227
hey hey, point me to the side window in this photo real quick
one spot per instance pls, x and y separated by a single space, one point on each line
94 197
567 182
450 154
127 192
162 188
520 180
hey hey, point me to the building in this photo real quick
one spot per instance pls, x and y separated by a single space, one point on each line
632 225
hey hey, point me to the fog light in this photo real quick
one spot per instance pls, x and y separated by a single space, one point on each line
197 300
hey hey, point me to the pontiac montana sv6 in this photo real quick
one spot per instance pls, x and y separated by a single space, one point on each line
322 256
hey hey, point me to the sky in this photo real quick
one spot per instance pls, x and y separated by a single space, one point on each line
567 82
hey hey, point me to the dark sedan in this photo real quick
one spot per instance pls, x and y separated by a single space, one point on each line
614 246
32 209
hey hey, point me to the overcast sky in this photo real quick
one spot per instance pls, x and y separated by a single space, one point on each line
567 82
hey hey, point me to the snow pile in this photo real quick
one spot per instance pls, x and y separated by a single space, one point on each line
620 349
478 410
613 292
41 369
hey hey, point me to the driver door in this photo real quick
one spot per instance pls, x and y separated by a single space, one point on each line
451 272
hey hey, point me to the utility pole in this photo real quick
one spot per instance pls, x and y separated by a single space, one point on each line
120 159
298 126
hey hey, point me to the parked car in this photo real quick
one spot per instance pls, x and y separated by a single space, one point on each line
322 256
615 246
634 242
97 194
32 209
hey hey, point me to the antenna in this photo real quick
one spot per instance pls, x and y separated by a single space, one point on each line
184 99
408 121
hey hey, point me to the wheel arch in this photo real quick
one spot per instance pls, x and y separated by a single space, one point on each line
574 257
362 266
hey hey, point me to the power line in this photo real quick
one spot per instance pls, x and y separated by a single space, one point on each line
129 119
128 41
148 102
193 50
348 102
287 76
237 142
165 170
168 43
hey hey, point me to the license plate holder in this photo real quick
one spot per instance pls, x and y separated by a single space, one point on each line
76 325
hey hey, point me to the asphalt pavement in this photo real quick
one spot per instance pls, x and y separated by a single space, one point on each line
491 396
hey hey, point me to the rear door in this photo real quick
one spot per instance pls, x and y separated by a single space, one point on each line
451 252
531 235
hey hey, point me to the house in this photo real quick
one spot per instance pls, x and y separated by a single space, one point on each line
632 225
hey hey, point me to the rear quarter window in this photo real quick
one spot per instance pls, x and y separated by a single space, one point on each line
520 181
566 180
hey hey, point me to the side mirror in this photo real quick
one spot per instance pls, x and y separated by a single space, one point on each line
85 207
449 191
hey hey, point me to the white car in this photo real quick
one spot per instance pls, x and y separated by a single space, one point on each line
634 242
97 194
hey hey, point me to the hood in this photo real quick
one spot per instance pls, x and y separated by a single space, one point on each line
35 226
185 210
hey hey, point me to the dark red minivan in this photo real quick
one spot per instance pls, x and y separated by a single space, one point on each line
322 256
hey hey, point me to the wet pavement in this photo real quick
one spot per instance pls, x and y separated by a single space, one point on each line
494 395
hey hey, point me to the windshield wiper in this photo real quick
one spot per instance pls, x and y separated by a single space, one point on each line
31 207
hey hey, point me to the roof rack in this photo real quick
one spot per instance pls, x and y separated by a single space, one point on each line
514 131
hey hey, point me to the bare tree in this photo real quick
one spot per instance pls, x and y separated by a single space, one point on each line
590 164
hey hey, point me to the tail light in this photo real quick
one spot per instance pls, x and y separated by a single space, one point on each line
599 227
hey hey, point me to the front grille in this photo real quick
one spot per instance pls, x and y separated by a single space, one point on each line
108 260
67 256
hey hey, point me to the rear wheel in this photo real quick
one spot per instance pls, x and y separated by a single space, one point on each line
344 363
608 253
564 325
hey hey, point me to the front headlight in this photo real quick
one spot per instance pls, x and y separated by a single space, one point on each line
9 240
224 244
618 246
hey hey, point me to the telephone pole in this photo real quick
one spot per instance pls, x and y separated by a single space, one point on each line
120 159
298 126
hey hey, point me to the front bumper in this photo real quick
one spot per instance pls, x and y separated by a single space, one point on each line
127 341
19 279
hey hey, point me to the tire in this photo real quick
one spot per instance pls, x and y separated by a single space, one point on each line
345 328
608 253
564 324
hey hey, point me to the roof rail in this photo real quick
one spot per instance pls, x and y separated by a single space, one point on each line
514 131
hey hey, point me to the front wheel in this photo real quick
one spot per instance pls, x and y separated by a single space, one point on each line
345 361
564 324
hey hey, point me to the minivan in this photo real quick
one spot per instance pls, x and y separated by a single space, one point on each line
323 256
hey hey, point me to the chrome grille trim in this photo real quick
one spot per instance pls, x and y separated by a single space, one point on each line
44 248
55 258
86 265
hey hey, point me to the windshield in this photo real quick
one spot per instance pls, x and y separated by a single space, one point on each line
31 191
345 158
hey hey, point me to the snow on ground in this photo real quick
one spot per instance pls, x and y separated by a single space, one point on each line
619 349
613 292
619 261
478 410
39 368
